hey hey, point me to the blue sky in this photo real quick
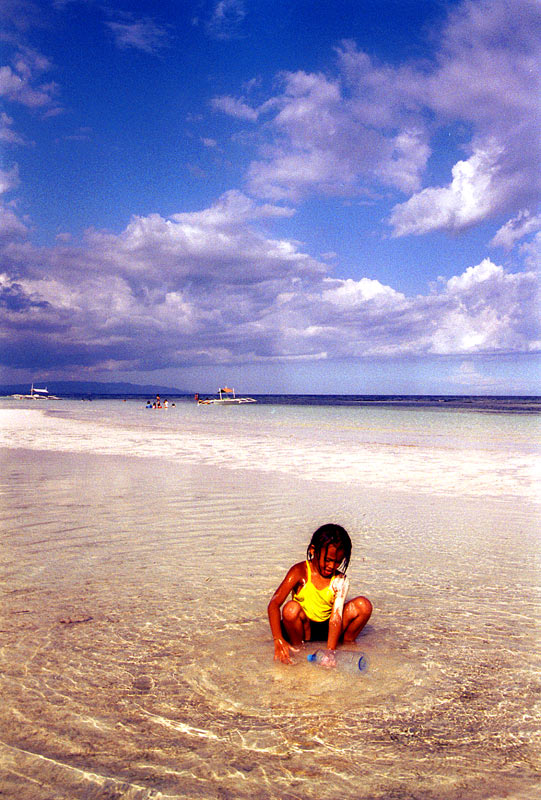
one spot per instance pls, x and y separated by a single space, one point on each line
287 196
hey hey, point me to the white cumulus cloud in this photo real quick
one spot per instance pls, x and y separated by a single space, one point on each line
475 192
143 34
235 107
9 179
349 293
372 124
20 82
517 228
226 18
210 287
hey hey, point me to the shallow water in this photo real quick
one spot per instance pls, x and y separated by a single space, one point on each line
140 551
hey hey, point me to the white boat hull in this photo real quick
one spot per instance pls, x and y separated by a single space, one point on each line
35 394
228 402
226 397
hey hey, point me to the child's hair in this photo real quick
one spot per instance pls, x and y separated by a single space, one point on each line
327 535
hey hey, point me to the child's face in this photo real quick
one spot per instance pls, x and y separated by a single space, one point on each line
328 561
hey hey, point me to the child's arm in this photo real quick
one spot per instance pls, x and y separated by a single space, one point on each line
341 584
281 647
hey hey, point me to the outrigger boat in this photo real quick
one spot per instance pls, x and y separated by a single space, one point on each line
36 394
226 397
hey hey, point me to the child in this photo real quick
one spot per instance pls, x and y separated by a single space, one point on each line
317 610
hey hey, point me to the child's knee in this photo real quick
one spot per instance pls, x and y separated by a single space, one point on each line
363 606
291 611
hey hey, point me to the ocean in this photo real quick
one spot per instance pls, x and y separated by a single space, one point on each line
140 550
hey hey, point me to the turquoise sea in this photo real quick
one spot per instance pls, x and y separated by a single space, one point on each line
140 549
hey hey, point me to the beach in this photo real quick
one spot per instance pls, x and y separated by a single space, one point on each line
140 550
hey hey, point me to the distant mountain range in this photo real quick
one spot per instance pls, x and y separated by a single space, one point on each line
93 388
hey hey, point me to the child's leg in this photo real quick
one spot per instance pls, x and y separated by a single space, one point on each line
295 623
356 615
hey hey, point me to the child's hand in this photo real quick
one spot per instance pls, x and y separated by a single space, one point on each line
282 651
328 659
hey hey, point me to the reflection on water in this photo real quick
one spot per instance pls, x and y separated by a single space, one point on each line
137 662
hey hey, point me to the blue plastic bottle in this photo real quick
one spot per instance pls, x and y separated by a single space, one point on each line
346 660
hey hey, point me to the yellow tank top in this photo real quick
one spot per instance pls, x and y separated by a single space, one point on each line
316 603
